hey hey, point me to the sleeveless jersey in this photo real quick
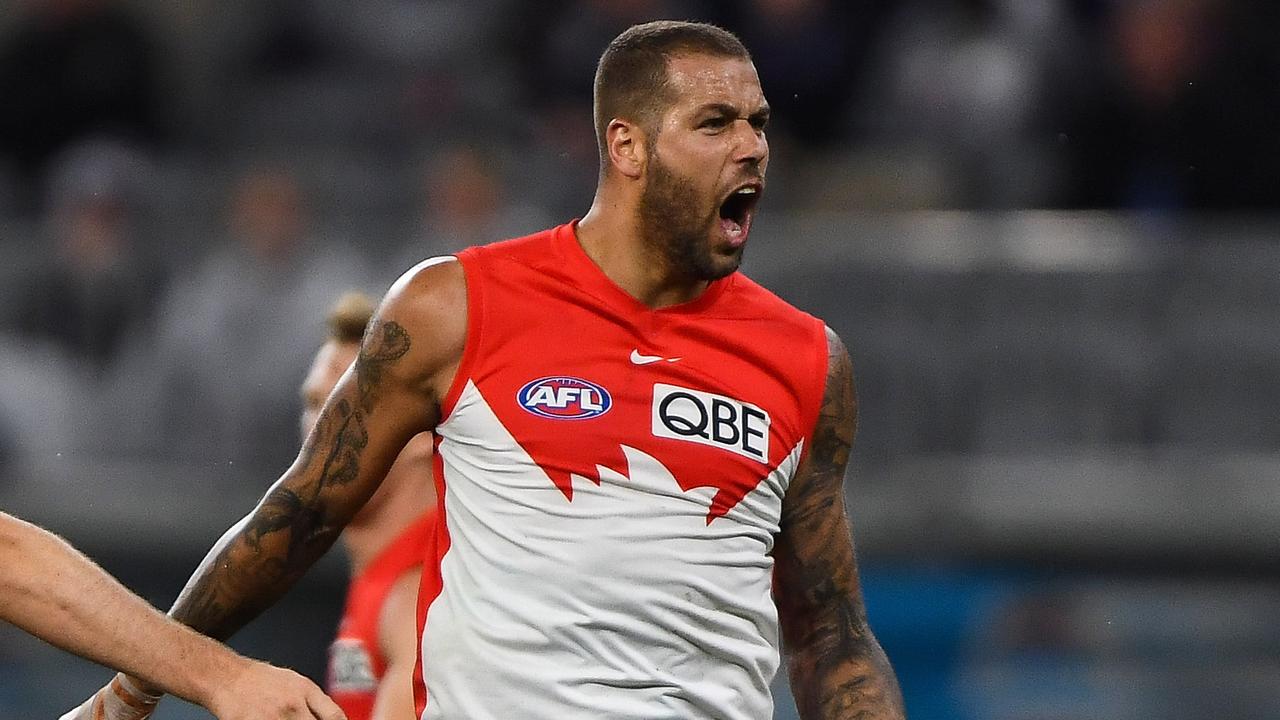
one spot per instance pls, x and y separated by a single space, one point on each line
356 664
611 481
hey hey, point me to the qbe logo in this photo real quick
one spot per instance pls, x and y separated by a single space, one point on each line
564 398
709 419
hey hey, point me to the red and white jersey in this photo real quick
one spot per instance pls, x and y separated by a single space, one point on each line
356 663
611 481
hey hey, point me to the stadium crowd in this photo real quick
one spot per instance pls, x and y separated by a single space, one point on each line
180 177
186 187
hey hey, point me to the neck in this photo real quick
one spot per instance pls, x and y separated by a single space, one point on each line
368 534
612 236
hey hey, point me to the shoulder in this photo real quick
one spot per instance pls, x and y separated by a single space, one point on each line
839 396
759 300
800 339
839 364
534 250
423 317
836 350
429 283
435 290
806 351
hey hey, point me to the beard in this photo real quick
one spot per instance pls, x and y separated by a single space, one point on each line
673 226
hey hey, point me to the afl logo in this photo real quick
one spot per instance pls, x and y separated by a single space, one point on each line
564 398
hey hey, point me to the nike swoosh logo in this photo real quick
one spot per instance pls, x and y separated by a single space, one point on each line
638 359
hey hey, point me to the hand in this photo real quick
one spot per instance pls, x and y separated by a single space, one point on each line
119 700
263 692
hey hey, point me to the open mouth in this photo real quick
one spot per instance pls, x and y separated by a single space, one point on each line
736 212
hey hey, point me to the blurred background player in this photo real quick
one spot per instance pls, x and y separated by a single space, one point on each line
372 659
57 594
273 257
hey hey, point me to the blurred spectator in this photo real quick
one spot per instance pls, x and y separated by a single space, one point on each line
571 36
953 112
810 54
73 68
236 331
1240 100
408 33
1180 113
1138 135
465 202
286 41
40 398
100 284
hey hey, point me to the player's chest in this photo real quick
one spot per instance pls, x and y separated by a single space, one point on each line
693 394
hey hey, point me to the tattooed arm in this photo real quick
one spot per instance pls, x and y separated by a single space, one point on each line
838 670
391 392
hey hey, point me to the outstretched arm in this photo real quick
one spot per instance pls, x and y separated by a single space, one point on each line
838 670
57 594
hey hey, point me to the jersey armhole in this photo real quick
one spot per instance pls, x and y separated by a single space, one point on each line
471 260
816 387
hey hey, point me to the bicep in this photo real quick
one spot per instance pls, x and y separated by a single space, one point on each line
389 394
816 569
368 418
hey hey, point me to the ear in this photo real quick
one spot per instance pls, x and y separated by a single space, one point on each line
625 143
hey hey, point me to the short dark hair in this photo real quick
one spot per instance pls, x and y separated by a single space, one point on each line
631 79
348 317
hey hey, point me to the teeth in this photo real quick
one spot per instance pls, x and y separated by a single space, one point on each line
746 191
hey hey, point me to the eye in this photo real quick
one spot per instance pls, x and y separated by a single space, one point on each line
716 122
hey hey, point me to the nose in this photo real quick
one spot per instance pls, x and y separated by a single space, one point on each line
751 145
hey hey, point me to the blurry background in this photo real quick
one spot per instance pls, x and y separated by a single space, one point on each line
1048 230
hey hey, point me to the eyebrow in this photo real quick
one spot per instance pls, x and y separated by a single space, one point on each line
726 109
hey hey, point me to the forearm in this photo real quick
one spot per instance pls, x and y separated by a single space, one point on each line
841 675
341 463
52 591
254 563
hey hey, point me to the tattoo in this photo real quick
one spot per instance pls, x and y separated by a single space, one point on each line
292 527
342 464
837 667
380 350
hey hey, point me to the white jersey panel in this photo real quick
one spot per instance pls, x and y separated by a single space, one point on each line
622 603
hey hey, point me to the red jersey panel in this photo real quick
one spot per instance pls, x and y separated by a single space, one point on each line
611 478
356 664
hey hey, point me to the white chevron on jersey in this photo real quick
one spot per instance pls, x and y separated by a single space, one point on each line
623 603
